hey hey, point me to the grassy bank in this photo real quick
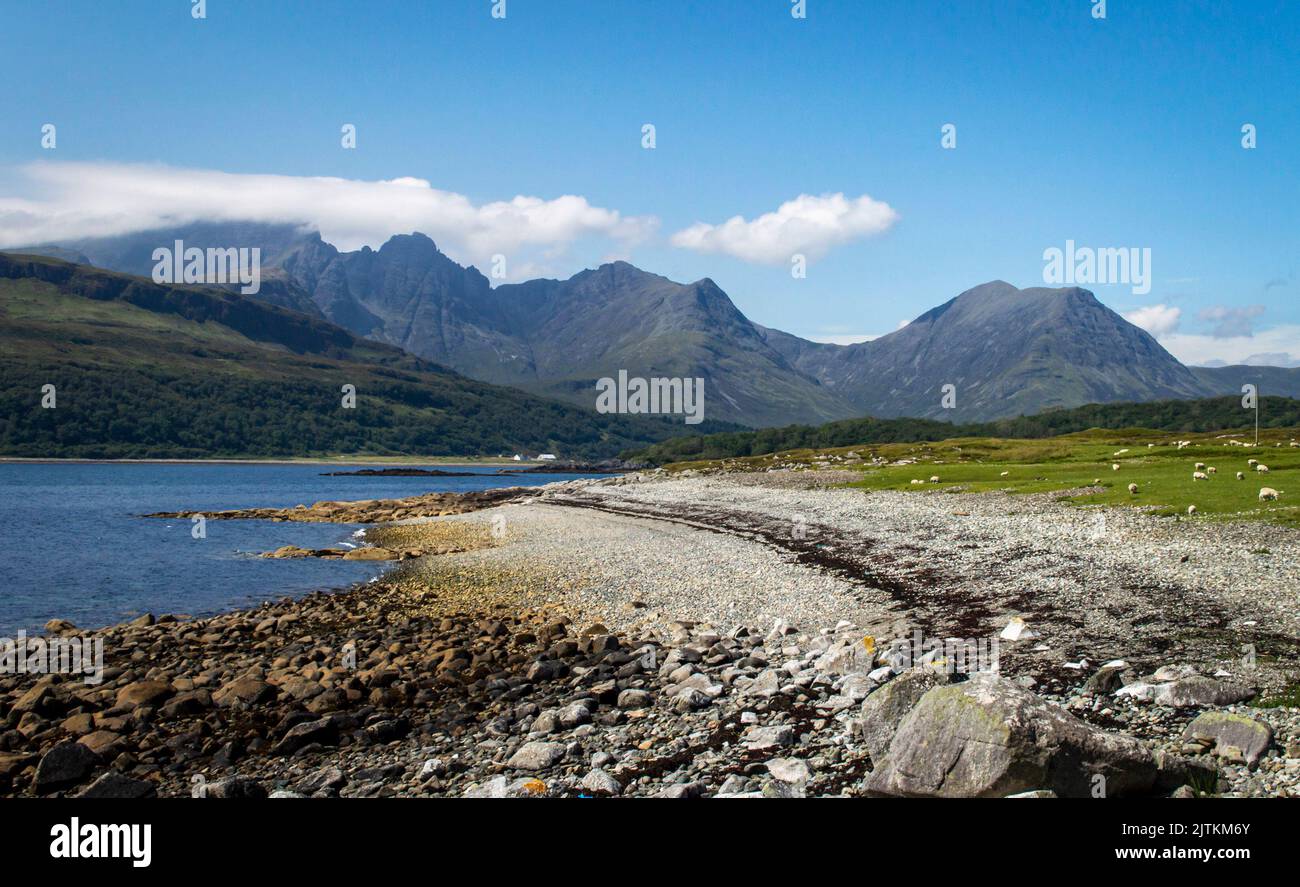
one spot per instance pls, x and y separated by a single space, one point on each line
1080 462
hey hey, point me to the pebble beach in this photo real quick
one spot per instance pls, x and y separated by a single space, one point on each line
726 634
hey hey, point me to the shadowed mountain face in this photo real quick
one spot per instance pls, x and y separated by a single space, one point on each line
1006 351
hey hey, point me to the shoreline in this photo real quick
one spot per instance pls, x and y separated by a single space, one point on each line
395 461
621 636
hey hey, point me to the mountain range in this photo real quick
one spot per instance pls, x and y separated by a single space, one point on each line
1005 351
100 364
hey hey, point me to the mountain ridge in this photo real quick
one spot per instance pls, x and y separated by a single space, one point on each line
1006 351
147 370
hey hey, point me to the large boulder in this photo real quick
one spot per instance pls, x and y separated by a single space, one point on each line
143 693
323 731
247 690
989 737
885 709
1199 690
1187 692
66 764
1231 736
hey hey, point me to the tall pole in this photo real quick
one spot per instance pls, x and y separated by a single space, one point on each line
1256 417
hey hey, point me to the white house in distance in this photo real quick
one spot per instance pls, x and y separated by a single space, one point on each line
545 457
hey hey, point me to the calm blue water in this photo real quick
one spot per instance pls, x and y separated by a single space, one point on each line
73 546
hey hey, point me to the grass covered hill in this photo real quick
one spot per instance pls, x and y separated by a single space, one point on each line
1212 414
142 370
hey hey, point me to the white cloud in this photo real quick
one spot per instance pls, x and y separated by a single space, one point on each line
74 200
1232 323
1158 320
808 225
1277 346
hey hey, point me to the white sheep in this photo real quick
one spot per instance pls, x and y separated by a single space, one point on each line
1133 488
1114 466
1241 475
1004 474
1252 462
1262 469
1191 509
1199 475
934 478
1267 493
1211 470
1200 466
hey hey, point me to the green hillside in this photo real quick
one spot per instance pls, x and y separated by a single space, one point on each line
143 370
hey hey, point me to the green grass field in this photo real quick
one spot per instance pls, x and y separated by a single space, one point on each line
1082 463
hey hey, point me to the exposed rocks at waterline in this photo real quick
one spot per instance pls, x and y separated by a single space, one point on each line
401 543
372 511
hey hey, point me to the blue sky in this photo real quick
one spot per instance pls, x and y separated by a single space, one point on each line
1122 132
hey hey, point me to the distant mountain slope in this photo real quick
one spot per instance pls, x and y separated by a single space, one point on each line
150 371
620 317
1282 381
133 254
1008 352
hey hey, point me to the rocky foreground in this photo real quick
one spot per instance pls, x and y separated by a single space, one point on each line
483 671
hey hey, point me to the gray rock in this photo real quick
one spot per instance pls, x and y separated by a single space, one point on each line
761 738
574 714
1105 680
733 786
857 687
493 788
988 737
768 683
777 789
327 779
68 763
699 682
115 785
235 787
790 770
601 783
884 709
635 699
537 756
691 699
1201 691
323 730
1234 737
